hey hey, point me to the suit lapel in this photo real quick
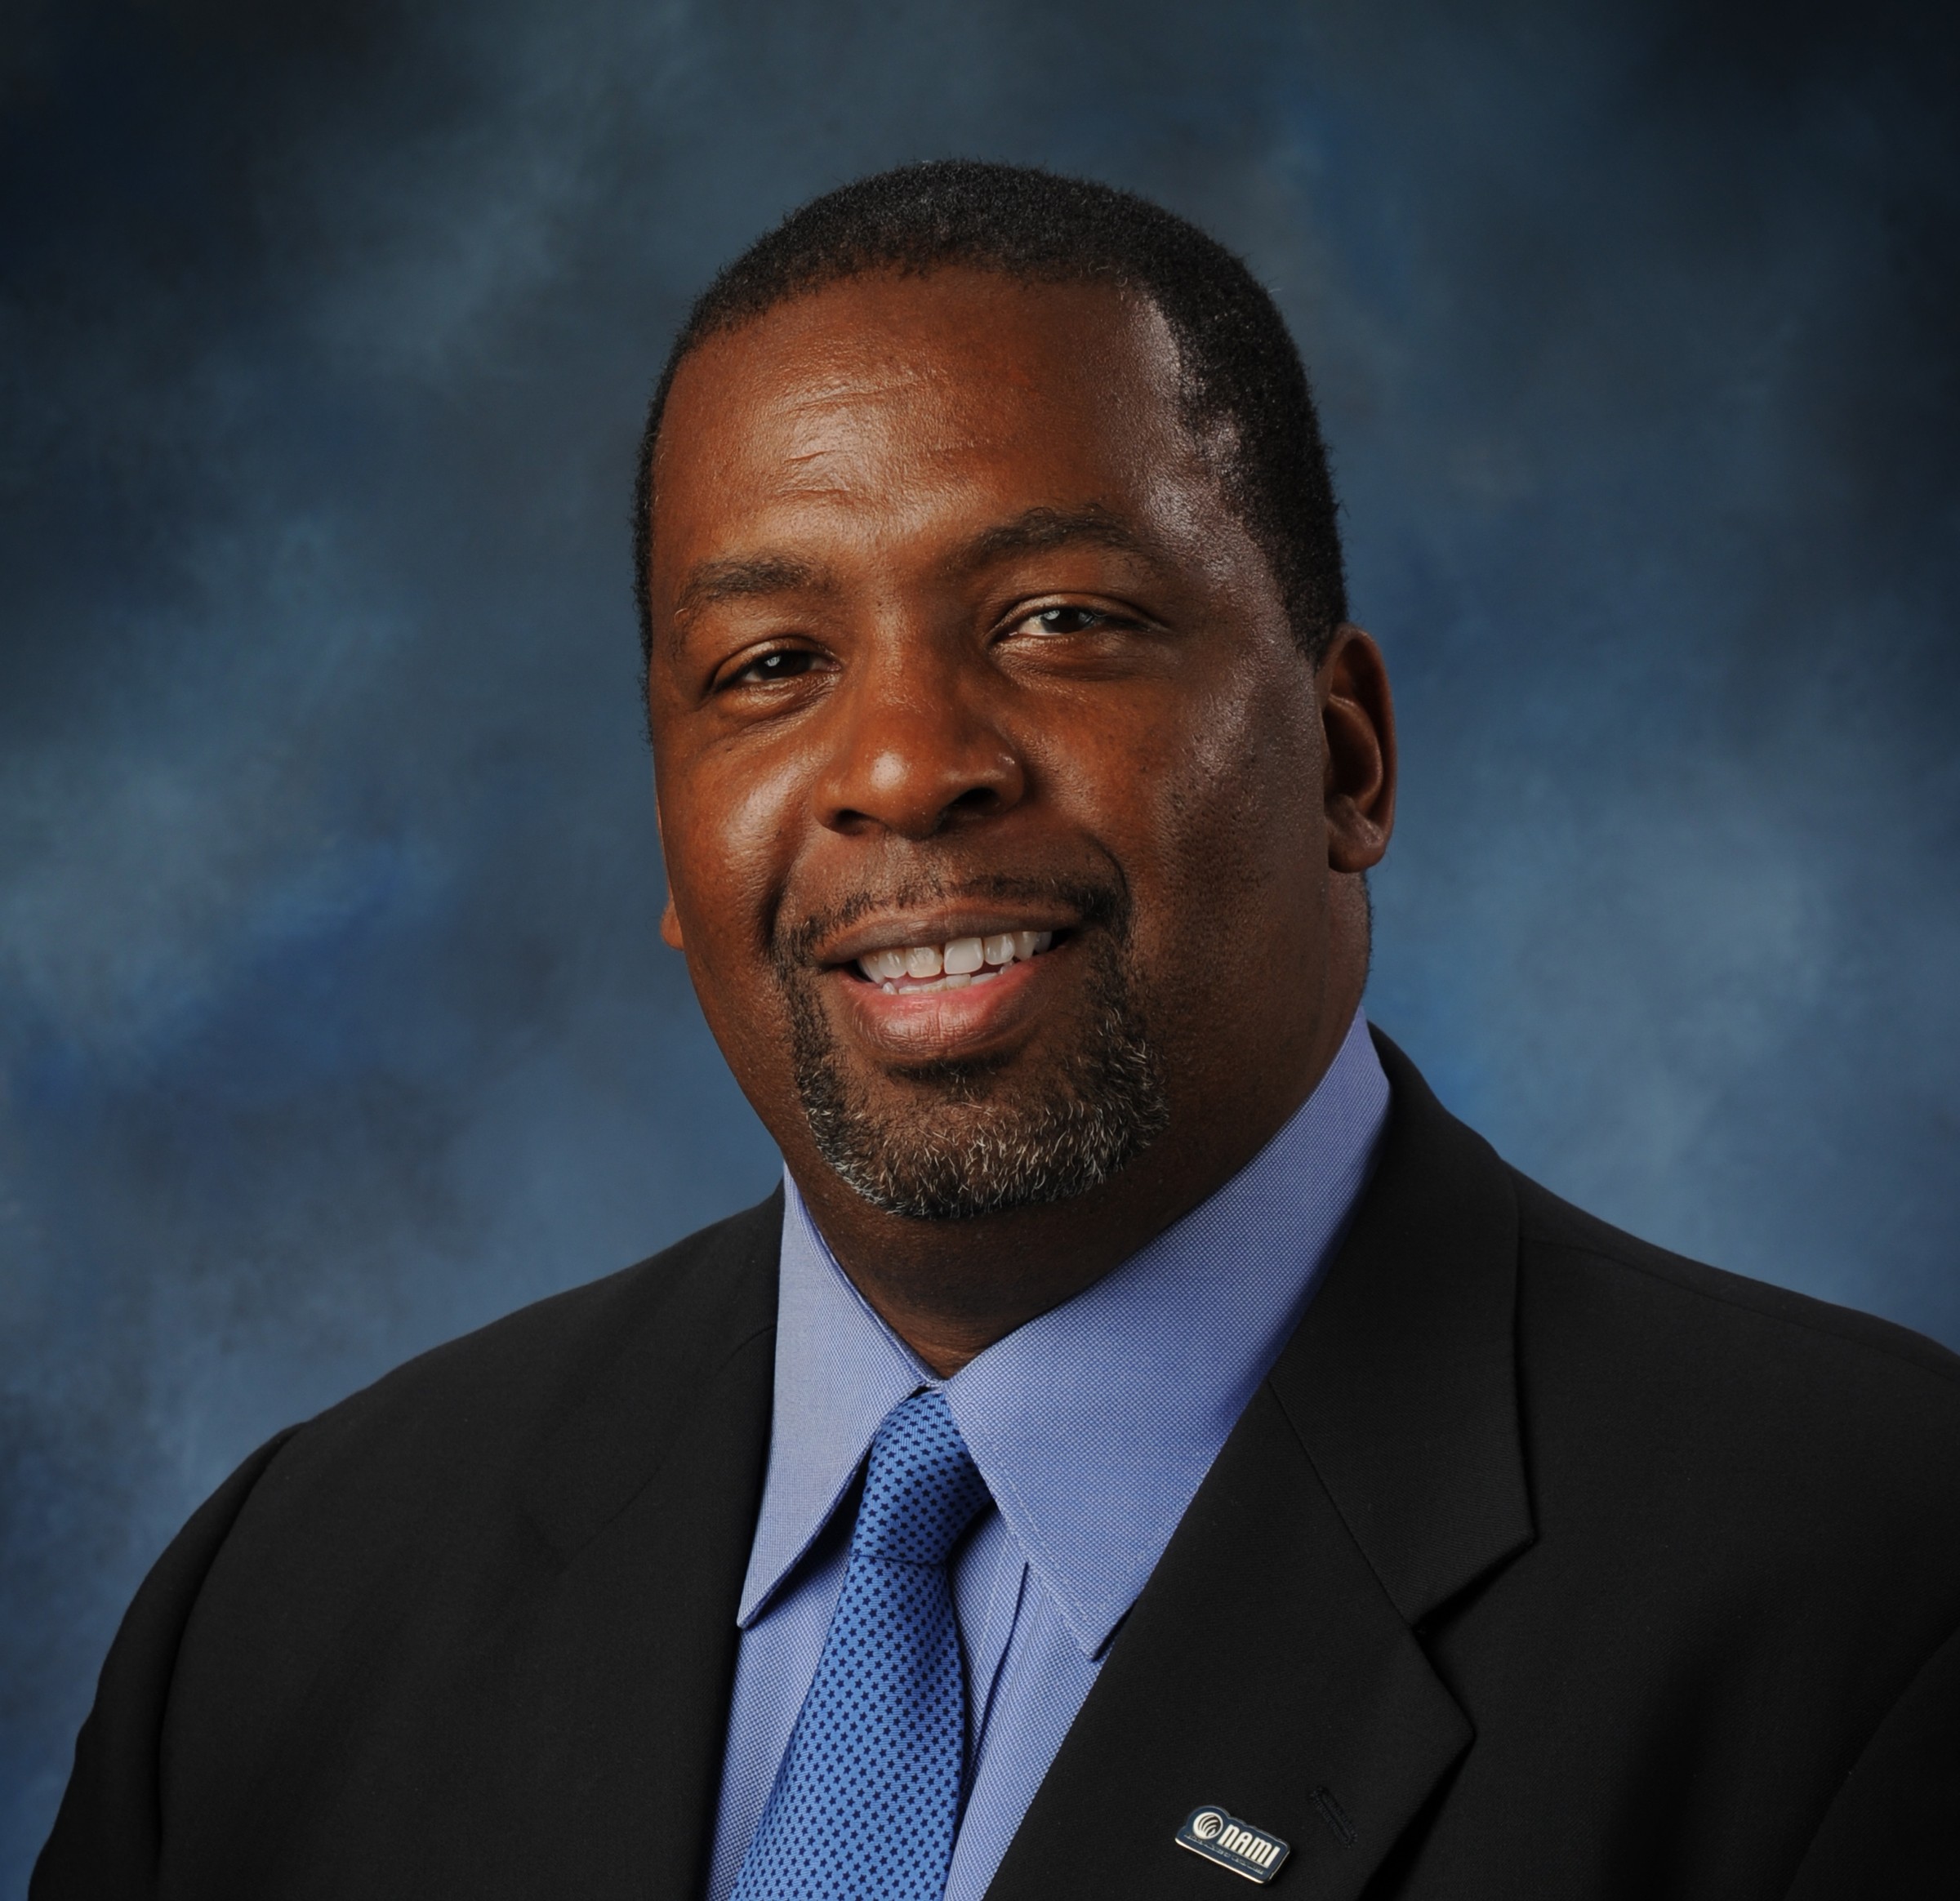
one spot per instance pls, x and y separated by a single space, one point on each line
648 1495
1402 1380
1264 1670
1270 1668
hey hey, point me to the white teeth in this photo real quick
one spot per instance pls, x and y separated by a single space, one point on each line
952 966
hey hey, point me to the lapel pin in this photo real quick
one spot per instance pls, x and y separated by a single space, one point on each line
1232 1844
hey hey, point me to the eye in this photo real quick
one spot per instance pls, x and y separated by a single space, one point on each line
785 663
1064 620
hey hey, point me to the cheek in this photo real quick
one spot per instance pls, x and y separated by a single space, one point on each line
729 843
725 866
1227 852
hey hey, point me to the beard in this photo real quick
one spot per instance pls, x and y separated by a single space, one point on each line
974 1139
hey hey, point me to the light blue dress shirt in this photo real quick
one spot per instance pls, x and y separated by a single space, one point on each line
1094 1426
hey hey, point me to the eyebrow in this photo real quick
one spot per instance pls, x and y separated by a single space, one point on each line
738 580
1036 530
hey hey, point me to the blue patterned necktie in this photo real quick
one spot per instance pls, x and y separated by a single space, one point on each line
868 1796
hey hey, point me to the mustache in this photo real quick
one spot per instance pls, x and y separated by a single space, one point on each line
1103 903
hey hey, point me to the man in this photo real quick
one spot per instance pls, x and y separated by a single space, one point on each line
1148 1442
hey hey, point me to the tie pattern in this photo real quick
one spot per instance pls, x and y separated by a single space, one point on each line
867 1799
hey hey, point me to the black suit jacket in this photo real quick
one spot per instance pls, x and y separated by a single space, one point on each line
1544 1564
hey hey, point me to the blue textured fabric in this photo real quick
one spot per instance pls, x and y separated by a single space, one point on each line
867 1800
1093 1426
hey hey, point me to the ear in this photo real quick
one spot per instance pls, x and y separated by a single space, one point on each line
1357 719
670 919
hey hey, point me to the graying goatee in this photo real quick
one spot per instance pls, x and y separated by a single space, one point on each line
968 1144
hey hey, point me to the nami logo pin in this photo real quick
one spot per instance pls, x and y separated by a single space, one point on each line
1232 1844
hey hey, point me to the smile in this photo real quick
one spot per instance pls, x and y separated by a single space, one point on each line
908 969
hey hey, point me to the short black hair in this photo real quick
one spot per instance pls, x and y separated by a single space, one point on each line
1242 375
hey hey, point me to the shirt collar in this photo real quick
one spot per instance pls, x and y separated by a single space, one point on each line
1095 1423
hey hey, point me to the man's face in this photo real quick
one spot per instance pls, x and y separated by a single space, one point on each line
991 774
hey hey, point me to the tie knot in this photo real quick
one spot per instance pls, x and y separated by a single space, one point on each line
922 1488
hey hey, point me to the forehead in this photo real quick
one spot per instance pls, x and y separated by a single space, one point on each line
917 406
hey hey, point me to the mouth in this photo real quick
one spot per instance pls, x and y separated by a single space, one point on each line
956 963
960 987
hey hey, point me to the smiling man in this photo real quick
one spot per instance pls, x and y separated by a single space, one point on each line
1147 1442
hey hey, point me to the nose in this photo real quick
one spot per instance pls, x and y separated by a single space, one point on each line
915 751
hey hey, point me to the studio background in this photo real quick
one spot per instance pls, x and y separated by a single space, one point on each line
333 1018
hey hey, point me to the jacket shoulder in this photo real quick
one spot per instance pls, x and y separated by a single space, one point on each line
1732 1401
347 1576
461 1422
718 1281
1862 1345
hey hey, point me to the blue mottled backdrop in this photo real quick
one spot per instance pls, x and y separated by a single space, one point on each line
333 1016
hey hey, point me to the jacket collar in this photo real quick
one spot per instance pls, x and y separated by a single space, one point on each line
1269 1667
